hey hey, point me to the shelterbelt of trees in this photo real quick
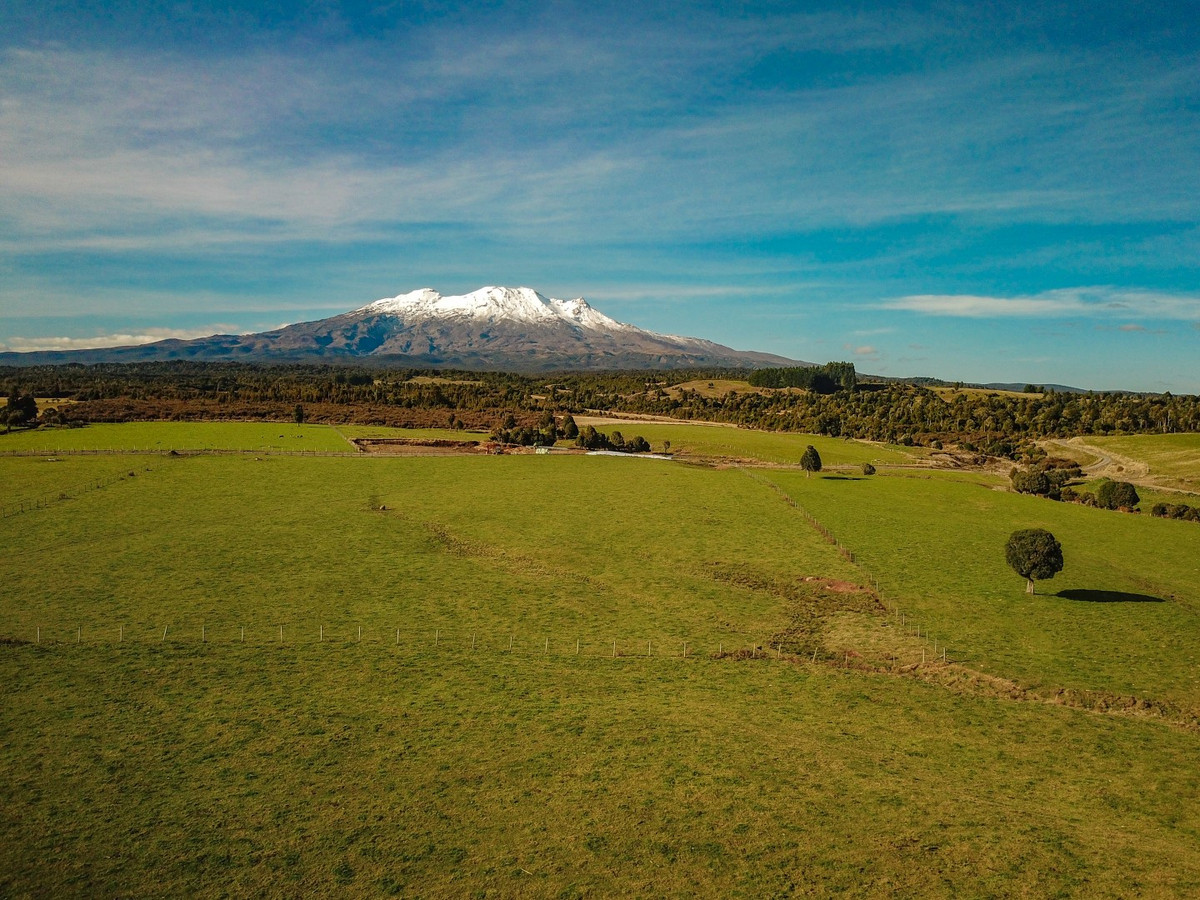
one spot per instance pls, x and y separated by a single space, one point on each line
835 402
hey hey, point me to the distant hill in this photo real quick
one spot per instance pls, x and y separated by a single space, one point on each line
493 328
1018 386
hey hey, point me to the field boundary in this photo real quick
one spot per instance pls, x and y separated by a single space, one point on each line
409 638
63 496
944 673
915 628
200 451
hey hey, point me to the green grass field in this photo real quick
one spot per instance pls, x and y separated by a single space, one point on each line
937 549
1173 459
266 436
766 446
380 432
438 762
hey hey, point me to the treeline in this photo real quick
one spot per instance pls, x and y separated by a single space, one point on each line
826 379
994 423
591 439
991 423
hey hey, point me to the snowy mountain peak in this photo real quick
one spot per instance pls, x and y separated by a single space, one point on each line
504 328
495 304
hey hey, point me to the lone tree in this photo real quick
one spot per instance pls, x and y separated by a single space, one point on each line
1034 553
21 410
811 461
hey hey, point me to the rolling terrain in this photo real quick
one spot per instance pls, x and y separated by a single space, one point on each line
580 676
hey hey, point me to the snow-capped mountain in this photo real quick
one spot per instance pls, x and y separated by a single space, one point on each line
491 328
490 304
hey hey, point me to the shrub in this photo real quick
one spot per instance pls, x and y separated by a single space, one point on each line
1117 495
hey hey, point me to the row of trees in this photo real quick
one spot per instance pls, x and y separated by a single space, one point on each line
1175 511
591 439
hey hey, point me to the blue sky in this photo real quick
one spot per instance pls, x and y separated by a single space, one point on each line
983 192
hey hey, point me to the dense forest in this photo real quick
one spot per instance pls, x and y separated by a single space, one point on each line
835 404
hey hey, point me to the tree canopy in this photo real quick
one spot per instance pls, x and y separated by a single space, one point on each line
1117 495
811 460
1034 554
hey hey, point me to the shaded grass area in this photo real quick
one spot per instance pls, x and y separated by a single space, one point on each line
164 436
292 771
937 548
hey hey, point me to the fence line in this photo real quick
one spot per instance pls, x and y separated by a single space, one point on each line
62 495
460 641
913 628
194 451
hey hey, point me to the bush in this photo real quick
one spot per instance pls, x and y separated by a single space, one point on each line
1176 511
1117 495
868 469
1030 482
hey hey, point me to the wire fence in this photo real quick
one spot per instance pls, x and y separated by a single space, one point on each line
489 640
908 626
194 451
16 507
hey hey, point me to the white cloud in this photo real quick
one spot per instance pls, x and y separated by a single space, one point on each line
1065 303
866 351
146 336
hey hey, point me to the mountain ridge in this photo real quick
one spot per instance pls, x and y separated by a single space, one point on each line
496 328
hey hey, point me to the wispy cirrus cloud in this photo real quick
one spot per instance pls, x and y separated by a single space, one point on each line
1102 302
560 132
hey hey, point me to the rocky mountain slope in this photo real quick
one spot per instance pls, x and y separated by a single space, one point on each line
491 328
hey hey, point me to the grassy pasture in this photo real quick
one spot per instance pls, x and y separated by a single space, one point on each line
783 448
949 392
232 541
313 771
265 436
181 768
937 547
55 479
382 432
716 387
1173 459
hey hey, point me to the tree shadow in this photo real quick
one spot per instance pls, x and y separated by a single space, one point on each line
1107 597
841 478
